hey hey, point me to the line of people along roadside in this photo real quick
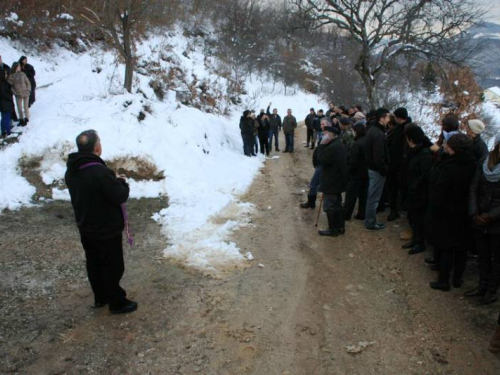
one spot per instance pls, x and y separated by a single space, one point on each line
16 82
450 189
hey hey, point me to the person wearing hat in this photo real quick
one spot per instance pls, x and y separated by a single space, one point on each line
332 155
346 133
474 128
377 157
309 125
448 211
484 207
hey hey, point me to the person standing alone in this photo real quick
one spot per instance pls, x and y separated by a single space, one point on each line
98 197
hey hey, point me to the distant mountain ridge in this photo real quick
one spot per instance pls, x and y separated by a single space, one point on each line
487 62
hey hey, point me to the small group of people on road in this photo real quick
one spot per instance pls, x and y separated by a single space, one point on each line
16 82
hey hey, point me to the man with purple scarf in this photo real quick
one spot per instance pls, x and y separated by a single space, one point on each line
98 197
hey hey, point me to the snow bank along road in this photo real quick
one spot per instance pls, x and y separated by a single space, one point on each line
357 304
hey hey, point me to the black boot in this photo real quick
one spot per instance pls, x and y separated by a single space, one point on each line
416 249
26 121
408 245
493 284
311 202
330 231
21 122
393 216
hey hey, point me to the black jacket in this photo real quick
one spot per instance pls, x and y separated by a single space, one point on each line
479 150
485 198
274 121
96 195
333 159
6 98
449 187
30 73
247 126
316 124
397 145
263 129
358 167
309 120
419 170
377 154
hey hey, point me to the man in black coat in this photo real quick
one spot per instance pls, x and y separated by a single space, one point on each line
98 197
419 167
332 155
30 73
396 142
377 157
6 99
309 125
275 127
247 132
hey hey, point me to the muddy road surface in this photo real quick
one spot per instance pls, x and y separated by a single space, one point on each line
356 304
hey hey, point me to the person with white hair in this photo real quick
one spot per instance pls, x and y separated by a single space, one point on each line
474 128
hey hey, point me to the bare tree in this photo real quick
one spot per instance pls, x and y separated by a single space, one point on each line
386 29
121 20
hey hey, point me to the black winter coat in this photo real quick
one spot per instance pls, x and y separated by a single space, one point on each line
316 125
274 121
358 167
263 129
333 159
376 151
6 97
247 126
479 150
30 73
449 187
419 170
96 195
396 143
309 121
485 198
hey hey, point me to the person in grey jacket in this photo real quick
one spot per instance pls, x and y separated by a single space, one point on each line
377 157
289 125
21 88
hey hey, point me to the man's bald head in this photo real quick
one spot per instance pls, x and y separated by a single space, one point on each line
88 141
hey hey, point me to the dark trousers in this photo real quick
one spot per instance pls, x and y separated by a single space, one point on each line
274 133
32 96
248 143
6 120
452 259
310 136
315 181
393 190
289 142
416 218
264 145
256 144
488 249
105 268
357 190
332 205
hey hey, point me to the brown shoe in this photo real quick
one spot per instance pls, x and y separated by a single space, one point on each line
495 341
407 235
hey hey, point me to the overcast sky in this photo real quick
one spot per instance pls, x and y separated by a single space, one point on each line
493 9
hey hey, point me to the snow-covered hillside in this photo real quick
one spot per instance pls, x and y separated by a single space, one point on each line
199 154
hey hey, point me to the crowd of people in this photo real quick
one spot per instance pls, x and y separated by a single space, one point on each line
16 82
450 189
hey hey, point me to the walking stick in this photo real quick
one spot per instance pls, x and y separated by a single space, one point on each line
319 210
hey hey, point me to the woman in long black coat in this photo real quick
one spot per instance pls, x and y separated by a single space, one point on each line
418 165
30 73
448 209
484 206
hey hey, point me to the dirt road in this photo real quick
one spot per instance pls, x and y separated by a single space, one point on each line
312 298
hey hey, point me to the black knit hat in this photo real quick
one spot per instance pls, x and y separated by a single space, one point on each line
345 120
401 113
381 112
460 143
332 129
